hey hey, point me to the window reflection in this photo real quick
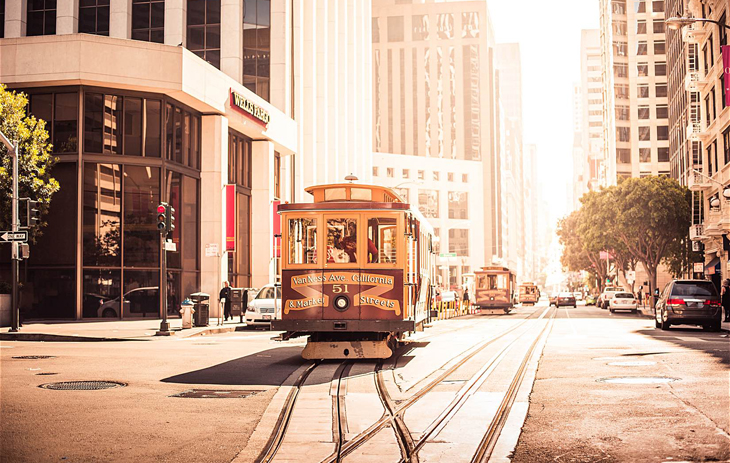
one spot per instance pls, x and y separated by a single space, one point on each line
141 294
381 246
102 214
101 289
303 241
141 196
470 24
342 241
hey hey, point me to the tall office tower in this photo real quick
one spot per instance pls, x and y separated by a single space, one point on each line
220 108
578 184
509 67
531 199
635 113
589 168
433 120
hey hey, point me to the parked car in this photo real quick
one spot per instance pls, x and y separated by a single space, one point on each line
566 299
689 302
623 301
266 306
591 299
448 296
553 299
607 294
578 295
136 302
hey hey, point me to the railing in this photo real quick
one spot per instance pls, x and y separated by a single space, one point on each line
694 33
696 232
450 309
694 129
693 81
697 182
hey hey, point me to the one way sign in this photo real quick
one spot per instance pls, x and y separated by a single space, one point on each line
10 236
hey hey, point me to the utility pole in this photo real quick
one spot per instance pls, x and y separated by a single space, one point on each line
15 263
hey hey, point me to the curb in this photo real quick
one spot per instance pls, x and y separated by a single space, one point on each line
46 337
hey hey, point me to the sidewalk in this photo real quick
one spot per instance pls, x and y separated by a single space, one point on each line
118 330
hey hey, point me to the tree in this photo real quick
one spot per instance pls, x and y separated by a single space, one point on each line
652 217
575 255
34 162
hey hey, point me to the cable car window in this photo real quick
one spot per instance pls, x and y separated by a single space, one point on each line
361 194
334 194
342 241
303 241
382 240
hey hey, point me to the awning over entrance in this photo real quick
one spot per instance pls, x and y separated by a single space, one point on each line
713 266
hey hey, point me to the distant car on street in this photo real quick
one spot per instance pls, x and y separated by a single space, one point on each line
689 302
566 299
623 301
607 294
590 299
553 299
266 306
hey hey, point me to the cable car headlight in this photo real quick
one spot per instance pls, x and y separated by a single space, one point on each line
342 303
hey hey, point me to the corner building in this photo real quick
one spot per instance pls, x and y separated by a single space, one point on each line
221 109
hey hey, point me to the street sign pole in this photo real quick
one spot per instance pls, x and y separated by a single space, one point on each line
13 150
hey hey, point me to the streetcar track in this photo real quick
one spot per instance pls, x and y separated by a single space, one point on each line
339 410
390 418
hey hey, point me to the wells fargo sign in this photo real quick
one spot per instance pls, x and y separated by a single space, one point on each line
250 108
315 289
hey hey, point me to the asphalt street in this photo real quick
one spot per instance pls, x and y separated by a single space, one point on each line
599 387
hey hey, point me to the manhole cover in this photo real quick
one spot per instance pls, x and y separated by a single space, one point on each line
82 385
631 364
215 394
34 357
45 374
638 380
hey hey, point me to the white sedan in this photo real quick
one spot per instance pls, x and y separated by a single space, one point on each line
265 307
622 301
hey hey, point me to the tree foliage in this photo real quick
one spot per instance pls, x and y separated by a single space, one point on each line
576 252
35 160
640 220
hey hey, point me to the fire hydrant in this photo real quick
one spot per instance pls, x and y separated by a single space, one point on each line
186 312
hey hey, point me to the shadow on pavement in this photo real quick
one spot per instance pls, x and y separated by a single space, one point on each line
713 343
266 368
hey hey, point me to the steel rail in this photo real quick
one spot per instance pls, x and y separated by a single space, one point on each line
491 436
386 419
282 423
339 414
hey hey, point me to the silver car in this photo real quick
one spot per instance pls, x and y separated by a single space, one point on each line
265 307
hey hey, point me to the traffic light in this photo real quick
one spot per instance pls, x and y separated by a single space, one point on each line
162 218
34 214
170 222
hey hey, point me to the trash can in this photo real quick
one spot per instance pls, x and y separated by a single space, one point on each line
186 313
237 302
201 316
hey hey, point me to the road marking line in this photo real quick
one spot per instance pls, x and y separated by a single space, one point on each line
686 339
572 325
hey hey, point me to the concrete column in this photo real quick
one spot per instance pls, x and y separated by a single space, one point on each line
176 22
16 14
232 38
280 59
120 19
262 214
213 175
67 17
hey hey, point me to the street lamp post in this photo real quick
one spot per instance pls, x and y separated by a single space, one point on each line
15 256
676 22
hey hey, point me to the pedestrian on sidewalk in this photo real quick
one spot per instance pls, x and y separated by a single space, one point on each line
725 298
225 299
639 297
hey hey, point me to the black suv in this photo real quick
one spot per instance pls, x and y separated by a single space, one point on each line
689 302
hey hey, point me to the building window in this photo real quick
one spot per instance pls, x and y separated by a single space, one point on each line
661 90
623 156
622 91
419 27
620 48
204 30
659 26
644 133
94 17
657 6
428 203
239 159
662 112
623 133
389 172
257 46
619 27
277 175
622 113
722 30
459 241
642 69
464 178
148 20
620 70
641 26
2 19
640 6
458 205
641 48
726 145
660 69
644 112
663 154
450 177
61 113
618 6
662 132
643 90
644 154
421 175
395 28
41 17
375 171
376 30
435 176
406 173
660 47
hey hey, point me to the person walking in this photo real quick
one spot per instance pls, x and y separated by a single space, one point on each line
225 298
244 303
725 298
638 296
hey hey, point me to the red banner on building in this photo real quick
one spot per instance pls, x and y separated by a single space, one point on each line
231 217
726 71
276 227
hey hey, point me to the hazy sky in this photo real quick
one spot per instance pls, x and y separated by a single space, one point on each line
549 37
